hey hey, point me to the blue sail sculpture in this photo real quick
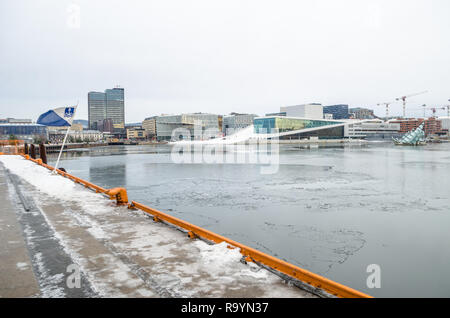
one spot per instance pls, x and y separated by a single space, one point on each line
415 137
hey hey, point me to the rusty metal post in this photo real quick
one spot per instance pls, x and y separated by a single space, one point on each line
32 151
43 153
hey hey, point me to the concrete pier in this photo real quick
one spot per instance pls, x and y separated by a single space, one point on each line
53 230
16 274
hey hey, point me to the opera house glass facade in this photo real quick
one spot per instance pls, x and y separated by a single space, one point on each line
314 127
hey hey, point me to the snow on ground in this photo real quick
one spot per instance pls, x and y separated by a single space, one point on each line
124 253
242 135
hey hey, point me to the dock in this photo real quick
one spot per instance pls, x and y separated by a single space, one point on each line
61 231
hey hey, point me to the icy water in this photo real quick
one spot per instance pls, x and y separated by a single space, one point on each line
331 210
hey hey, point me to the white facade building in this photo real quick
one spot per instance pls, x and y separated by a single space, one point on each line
445 122
310 111
372 129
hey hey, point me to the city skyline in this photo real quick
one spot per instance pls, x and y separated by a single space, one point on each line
254 57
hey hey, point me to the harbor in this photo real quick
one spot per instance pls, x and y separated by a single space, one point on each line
217 157
329 209
46 227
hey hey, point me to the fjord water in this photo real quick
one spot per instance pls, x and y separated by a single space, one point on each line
331 210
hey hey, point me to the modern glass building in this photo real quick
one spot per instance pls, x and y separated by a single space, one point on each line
338 111
107 105
115 106
23 131
96 108
298 128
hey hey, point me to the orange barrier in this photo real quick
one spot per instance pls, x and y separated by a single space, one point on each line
11 147
250 254
293 271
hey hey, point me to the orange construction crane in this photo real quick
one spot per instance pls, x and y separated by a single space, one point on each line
403 98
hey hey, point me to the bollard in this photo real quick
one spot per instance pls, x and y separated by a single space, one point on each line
43 153
120 194
32 151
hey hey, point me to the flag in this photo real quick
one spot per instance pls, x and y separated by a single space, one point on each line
62 116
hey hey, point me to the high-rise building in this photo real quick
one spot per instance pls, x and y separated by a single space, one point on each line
96 108
107 105
115 107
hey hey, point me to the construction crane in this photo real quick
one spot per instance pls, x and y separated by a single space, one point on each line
433 109
403 98
387 108
448 110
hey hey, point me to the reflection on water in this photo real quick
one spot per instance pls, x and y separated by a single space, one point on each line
332 210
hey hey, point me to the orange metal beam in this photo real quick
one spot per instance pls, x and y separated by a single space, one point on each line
260 257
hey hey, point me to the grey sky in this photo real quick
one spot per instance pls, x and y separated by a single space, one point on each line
223 56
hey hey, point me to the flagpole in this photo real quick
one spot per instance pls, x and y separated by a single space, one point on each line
64 141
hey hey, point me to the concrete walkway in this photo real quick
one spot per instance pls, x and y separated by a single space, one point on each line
16 274
115 252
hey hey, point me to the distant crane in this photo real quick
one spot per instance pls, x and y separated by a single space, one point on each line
403 98
387 108
433 109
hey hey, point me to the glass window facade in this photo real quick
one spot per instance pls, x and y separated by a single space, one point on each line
265 125
23 131
338 111
107 105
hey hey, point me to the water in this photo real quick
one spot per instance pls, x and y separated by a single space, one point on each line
332 210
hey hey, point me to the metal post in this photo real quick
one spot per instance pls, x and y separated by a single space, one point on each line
62 147
64 141
32 151
43 153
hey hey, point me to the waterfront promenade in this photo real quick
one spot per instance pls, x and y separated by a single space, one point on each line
54 232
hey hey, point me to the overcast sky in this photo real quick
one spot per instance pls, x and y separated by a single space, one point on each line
222 56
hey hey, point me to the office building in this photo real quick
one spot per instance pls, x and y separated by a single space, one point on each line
166 126
361 113
105 125
107 105
372 129
27 132
310 111
149 124
432 125
445 122
337 111
57 136
136 133
235 122
15 121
